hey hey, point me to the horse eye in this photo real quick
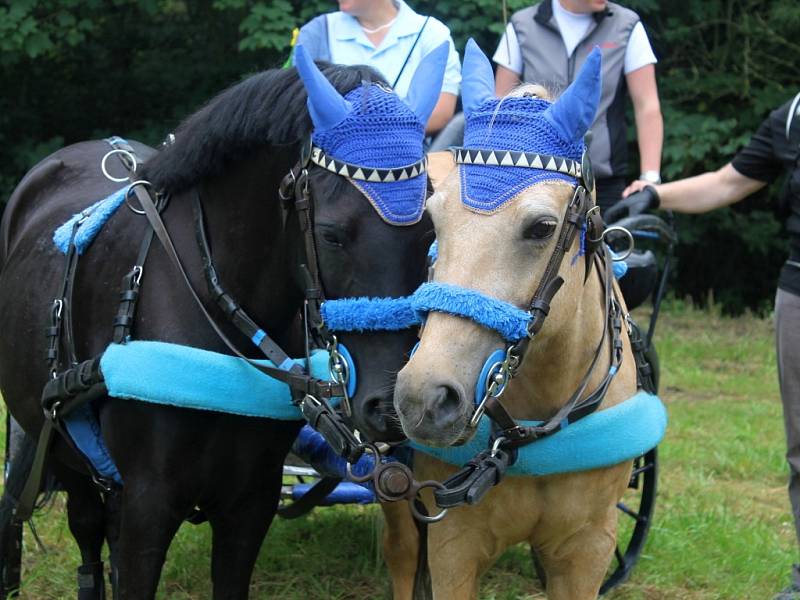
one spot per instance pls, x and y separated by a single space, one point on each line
332 238
540 230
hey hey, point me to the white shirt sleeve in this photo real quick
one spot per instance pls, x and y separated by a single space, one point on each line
638 53
508 54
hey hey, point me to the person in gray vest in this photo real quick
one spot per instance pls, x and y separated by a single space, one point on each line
547 43
773 150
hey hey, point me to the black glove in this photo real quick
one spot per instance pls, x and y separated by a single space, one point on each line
635 204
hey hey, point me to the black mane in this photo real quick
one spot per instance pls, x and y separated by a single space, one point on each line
267 109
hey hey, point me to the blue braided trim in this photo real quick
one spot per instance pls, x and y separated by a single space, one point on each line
508 320
369 314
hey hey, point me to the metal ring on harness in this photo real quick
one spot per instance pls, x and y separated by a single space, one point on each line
130 157
616 257
363 478
128 193
428 518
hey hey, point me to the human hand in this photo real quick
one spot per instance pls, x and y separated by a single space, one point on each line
636 186
644 199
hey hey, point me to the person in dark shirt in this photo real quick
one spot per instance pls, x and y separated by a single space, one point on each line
772 151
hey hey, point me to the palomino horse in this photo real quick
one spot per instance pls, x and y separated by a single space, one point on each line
507 233
227 162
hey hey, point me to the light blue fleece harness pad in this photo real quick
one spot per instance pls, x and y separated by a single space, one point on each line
601 439
188 377
91 221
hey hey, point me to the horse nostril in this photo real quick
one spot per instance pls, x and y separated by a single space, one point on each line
377 414
443 403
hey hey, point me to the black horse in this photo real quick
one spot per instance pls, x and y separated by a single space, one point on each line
234 152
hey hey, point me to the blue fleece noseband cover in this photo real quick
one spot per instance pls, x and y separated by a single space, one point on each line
369 314
395 314
505 318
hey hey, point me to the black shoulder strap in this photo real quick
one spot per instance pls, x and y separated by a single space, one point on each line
410 52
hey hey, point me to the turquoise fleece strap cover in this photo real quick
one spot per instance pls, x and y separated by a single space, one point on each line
192 378
92 219
602 439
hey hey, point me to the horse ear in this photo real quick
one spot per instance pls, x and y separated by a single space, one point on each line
574 111
426 84
325 104
477 79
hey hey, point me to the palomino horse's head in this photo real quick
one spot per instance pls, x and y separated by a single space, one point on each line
497 225
368 181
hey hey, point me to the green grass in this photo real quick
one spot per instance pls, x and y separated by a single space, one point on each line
722 528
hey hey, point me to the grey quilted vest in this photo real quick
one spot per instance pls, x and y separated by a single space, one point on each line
545 62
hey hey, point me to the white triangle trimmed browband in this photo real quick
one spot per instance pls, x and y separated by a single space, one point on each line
511 158
376 175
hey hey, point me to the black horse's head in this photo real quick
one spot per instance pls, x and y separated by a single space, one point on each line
367 183
368 186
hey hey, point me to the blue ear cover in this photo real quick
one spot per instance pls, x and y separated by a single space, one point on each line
573 113
426 84
326 106
477 78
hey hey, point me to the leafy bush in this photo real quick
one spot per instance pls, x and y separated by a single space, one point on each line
77 69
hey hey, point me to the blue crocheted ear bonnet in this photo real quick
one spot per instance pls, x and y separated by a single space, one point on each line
373 138
525 124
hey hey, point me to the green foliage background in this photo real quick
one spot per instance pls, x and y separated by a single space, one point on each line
78 69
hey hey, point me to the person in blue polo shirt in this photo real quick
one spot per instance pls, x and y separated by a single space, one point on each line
390 37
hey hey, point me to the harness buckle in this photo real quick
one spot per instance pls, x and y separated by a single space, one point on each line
287 186
58 308
138 270
103 483
339 370
53 412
